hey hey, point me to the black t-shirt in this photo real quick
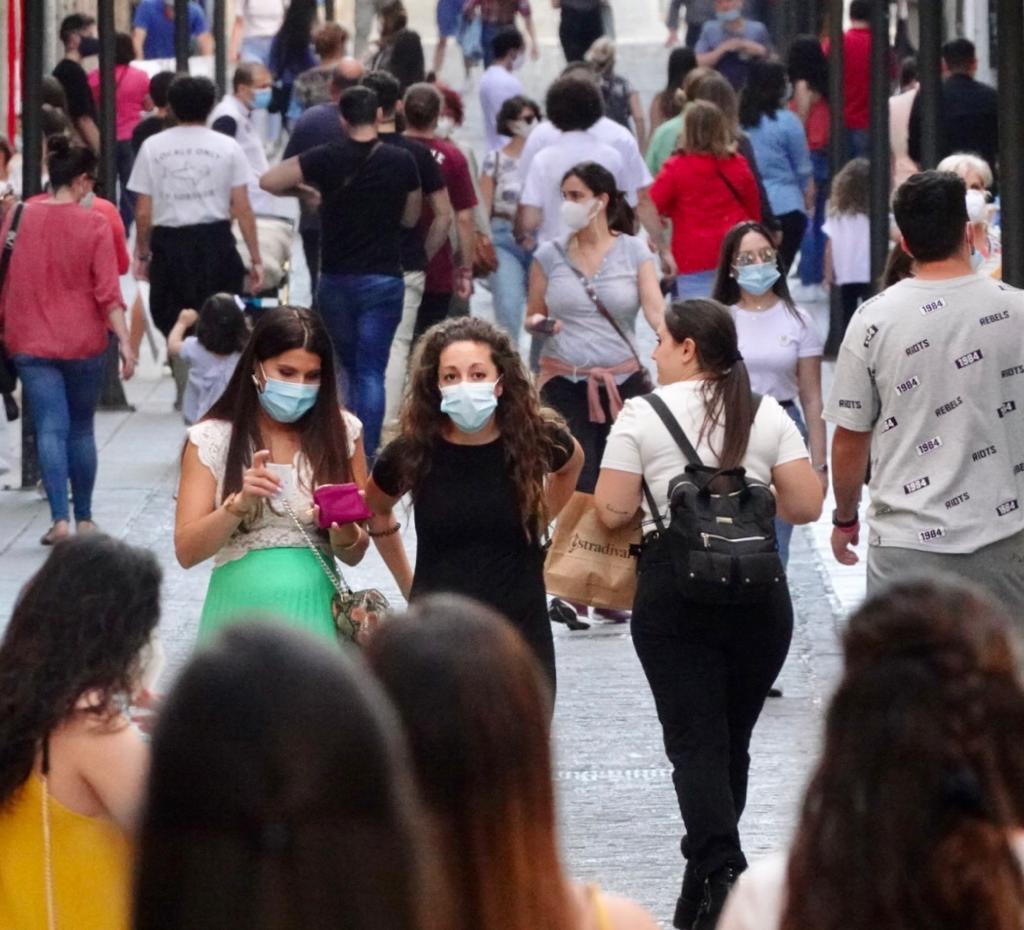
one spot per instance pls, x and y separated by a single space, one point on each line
413 256
469 530
76 88
150 126
364 197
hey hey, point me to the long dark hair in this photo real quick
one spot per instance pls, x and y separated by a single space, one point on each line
323 438
278 796
77 628
476 709
599 180
295 37
528 431
727 400
762 95
907 819
807 62
727 289
681 61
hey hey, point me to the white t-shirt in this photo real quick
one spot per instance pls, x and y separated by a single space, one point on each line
189 171
543 185
639 443
261 19
251 142
497 85
850 234
771 342
636 176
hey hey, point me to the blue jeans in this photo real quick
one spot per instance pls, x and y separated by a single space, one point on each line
256 48
62 395
508 283
812 249
784 530
361 313
858 143
695 284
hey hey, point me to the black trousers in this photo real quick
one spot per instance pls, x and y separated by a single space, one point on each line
433 309
578 30
709 669
189 264
311 251
569 398
793 225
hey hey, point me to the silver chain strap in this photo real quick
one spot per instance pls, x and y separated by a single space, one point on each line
334 577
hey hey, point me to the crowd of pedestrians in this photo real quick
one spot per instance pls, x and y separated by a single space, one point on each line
293 779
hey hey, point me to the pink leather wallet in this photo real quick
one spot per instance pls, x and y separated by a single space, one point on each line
341 504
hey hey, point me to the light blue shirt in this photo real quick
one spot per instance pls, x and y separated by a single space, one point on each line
780 147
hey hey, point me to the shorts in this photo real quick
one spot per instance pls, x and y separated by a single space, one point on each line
449 15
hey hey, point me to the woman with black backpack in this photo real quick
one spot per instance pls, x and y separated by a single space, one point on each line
712 619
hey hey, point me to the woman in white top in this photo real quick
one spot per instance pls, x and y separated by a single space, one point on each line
248 474
709 666
781 347
913 817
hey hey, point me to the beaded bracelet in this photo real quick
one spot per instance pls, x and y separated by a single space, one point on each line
390 531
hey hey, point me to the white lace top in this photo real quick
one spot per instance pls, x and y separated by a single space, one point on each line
270 530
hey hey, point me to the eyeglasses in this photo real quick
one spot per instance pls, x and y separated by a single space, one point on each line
765 256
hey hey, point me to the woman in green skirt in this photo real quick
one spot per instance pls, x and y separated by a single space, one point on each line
248 473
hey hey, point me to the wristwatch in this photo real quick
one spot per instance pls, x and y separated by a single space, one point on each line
844 524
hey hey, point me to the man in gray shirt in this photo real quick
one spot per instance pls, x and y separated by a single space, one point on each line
930 385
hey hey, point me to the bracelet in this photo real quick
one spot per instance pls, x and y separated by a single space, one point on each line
351 545
844 524
227 506
390 531
822 468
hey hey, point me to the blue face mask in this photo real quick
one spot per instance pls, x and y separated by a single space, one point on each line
261 98
470 405
757 279
287 401
977 259
728 16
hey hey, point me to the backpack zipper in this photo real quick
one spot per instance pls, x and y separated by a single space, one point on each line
742 539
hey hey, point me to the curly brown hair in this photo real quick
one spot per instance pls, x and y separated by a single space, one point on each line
528 430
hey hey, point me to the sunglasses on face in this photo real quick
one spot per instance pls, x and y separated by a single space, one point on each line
765 256
527 119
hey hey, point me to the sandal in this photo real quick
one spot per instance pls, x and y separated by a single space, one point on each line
53 536
84 527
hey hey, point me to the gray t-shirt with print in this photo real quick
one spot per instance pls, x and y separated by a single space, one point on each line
935 371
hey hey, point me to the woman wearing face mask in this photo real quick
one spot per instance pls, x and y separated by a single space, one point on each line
248 473
487 469
987 257
59 353
590 365
781 347
500 187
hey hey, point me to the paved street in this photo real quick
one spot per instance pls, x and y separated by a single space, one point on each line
621 823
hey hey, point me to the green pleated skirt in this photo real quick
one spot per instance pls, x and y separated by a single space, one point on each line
286 585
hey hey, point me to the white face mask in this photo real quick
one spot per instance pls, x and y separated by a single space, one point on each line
521 128
977 206
578 214
445 127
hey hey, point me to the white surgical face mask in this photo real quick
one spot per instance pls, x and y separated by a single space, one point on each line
445 127
977 206
521 128
578 214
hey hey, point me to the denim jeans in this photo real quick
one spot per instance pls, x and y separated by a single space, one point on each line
812 249
508 283
709 668
361 313
62 395
784 530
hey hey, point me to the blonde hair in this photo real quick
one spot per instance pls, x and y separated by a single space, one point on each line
706 131
962 162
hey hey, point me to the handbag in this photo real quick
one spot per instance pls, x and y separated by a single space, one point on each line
356 614
485 257
8 373
647 385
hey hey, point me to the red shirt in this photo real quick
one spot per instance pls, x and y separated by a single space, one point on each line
130 91
856 77
110 213
61 284
691 191
455 171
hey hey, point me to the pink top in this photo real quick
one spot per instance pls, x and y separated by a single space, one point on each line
132 87
109 212
61 284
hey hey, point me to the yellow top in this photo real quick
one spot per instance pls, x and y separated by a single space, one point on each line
90 862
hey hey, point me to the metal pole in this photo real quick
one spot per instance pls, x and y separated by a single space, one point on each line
108 104
329 10
929 71
220 45
1010 49
881 176
837 150
182 35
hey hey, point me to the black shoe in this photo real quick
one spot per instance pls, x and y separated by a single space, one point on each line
11 408
689 900
561 612
716 889
775 692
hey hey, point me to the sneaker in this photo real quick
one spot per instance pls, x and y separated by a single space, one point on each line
689 900
716 889
562 612
610 615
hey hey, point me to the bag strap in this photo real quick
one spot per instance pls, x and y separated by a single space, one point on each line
362 166
601 308
44 777
730 185
335 577
9 239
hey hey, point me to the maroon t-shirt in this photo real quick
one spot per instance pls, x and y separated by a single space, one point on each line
455 171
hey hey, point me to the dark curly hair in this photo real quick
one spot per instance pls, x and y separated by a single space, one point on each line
78 627
529 431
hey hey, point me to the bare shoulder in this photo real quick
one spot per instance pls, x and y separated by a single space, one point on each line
626 914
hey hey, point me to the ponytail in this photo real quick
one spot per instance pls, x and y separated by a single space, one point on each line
621 216
599 180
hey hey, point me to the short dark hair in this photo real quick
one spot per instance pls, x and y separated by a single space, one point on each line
358 106
244 76
191 98
908 70
510 111
159 84
422 106
573 103
931 212
959 54
505 41
75 22
124 49
385 85
860 9
221 328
